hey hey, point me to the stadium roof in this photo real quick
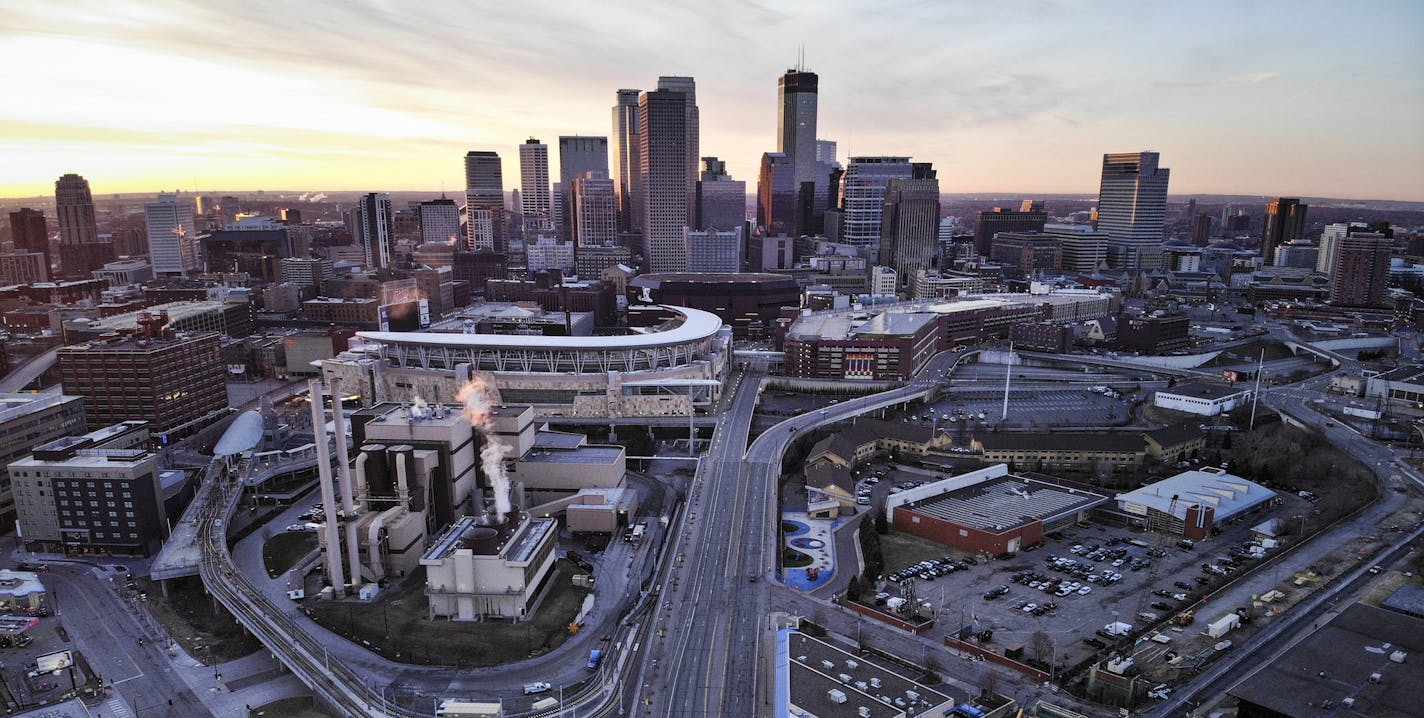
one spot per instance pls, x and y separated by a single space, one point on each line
1227 494
696 325
244 433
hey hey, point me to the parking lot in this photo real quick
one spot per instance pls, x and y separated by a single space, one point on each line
1054 404
1072 599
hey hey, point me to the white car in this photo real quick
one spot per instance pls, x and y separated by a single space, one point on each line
532 688
1085 590
298 528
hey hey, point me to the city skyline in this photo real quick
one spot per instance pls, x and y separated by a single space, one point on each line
334 96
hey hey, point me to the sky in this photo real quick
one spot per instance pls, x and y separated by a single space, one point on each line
1301 98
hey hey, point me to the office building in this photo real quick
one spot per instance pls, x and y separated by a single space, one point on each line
172 236
1329 241
373 230
768 253
29 233
667 137
1201 230
1132 205
593 261
96 493
777 195
307 272
578 155
1082 248
1030 217
714 250
22 268
910 224
1285 221
545 253
797 95
484 202
721 200
74 206
1029 251
626 164
826 152
593 210
26 421
1361 269
535 202
439 221
863 197
171 383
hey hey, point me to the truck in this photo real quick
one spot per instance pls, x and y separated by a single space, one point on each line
595 656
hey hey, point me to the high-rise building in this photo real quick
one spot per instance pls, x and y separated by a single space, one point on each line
30 233
167 382
484 202
1329 240
577 156
1361 269
797 94
910 222
1285 221
1029 251
1030 217
777 195
667 139
172 236
1201 230
863 197
721 200
626 165
373 229
75 207
534 186
439 221
1084 249
26 421
826 152
593 215
1132 206
714 251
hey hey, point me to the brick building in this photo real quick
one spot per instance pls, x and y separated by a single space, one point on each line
167 381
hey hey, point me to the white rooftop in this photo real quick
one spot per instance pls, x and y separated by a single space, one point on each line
1226 493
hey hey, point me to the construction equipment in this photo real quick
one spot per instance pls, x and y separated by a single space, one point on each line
1185 618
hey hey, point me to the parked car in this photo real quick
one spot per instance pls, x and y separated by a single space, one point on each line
533 688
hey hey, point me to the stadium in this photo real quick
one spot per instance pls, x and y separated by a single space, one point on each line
671 369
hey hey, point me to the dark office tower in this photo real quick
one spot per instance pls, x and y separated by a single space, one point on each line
626 165
1285 221
373 229
1361 269
1239 222
776 195
75 207
1201 230
1132 206
688 87
667 143
1030 217
290 216
862 197
797 96
534 186
484 202
30 233
910 223
577 156
721 200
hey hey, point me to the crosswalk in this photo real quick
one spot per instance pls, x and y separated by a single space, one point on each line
114 707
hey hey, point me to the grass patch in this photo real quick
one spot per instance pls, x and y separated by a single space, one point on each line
901 549
791 558
192 620
299 707
284 550
413 638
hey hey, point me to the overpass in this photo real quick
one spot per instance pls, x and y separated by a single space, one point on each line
27 373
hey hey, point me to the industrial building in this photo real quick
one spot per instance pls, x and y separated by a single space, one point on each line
815 679
988 511
1363 662
672 369
95 493
1193 503
1202 398
488 567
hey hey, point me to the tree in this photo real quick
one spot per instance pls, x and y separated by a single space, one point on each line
882 524
1042 646
870 550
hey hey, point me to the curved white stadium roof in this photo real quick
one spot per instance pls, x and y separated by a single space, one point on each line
244 433
696 326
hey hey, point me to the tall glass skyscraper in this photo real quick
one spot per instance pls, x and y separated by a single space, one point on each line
626 164
667 145
534 186
484 201
863 197
1132 205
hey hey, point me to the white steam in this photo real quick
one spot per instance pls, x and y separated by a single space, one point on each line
477 411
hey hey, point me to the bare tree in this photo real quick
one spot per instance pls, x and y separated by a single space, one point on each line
1042 645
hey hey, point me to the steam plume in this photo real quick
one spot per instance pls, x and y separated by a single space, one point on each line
474 395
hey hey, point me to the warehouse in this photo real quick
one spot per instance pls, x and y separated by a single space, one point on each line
1192 503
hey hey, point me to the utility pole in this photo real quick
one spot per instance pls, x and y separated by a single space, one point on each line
1256 395
1008 372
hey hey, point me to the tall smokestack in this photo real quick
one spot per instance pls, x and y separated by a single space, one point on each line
343 474
328 493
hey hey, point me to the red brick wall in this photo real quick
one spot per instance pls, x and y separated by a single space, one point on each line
887 618
963 537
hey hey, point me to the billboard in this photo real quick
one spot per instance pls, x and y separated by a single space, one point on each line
50 662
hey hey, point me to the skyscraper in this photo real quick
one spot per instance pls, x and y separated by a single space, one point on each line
30 233
439 221
667 148
777 195
721 200
484 202
1030 217
1361 269
910 222
593 210
826 152
797 93
1285 221
1329 241
577 155
75 207
863 197
172 236
626 166
534 185
373 229
1132 205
